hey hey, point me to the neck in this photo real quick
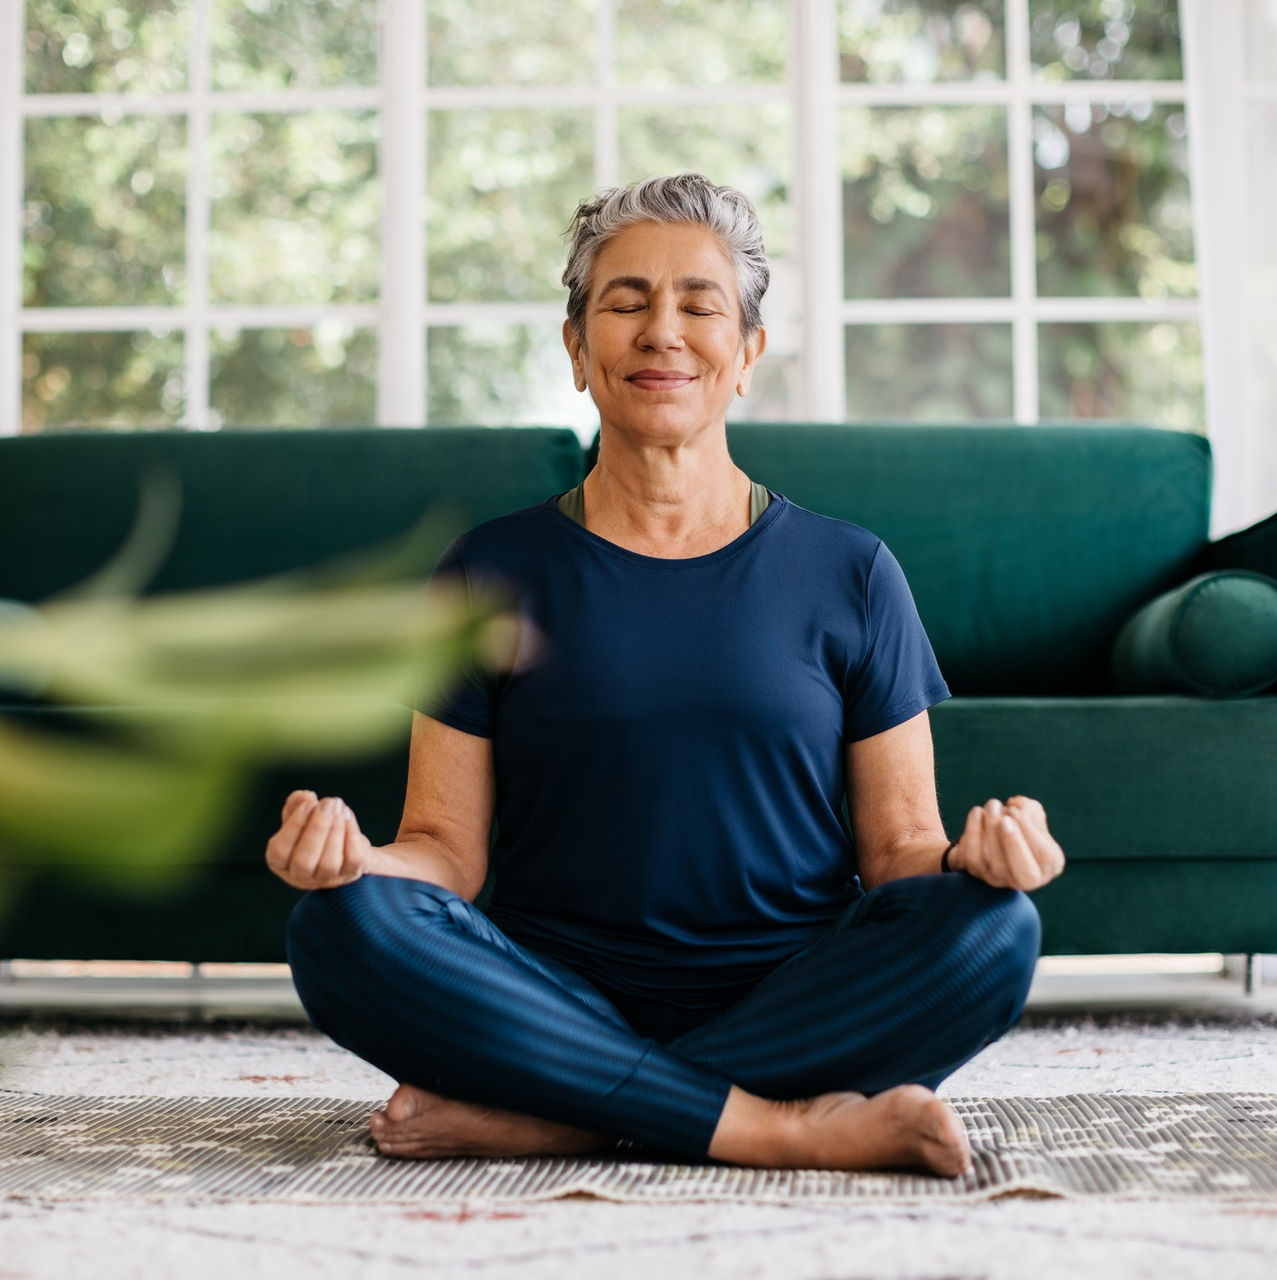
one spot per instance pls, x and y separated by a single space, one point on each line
668 501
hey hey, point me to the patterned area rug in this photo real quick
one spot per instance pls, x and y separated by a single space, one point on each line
1192 1145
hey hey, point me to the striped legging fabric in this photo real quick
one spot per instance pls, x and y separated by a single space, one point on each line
913 980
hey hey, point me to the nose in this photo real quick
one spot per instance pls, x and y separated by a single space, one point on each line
662 330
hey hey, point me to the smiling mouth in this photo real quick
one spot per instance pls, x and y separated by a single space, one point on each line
660 379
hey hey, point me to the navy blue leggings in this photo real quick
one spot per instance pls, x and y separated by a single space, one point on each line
913 980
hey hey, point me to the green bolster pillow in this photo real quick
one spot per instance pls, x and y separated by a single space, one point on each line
1215 635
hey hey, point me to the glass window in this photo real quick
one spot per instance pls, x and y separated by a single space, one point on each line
925 209
295 205
492 374
325 376
280 44
502 186
1113 211
493 42
72 380
929 372
749 150
675 43
105 211
1105 40
105 46
526 110
885 41
1146 373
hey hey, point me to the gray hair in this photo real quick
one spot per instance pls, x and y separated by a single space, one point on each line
685 197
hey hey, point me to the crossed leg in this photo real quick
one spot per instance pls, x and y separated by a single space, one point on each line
913 980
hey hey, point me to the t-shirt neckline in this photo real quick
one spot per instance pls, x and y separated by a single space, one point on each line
737 544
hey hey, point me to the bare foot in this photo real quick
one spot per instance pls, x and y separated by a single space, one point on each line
906 1127
416 1124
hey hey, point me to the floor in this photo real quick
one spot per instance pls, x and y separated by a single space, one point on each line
1125 1031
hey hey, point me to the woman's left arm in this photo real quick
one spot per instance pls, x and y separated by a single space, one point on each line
891 787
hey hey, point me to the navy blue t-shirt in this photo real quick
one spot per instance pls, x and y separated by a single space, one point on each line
670 744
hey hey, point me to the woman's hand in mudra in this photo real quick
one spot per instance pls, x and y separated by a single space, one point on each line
1008 845
319 844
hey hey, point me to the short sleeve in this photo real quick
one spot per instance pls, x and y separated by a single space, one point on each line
468 701
898 676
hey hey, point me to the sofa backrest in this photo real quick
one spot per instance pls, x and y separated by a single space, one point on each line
259 502
1026 547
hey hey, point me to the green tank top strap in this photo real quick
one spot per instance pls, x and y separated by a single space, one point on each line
572 503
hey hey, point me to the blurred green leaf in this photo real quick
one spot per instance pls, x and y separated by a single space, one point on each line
137 816
171 704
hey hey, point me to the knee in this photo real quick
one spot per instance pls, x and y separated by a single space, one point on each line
329 928
1000 937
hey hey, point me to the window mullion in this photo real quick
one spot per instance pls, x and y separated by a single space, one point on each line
12 33
401 375
1021 200
607 161
197 413
818 183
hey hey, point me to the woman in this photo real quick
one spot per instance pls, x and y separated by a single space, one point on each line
677 952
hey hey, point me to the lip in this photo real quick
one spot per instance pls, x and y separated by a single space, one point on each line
660 379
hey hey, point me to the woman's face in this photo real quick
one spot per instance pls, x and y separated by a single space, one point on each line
663 354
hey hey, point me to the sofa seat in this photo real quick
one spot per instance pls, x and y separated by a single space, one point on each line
1164 804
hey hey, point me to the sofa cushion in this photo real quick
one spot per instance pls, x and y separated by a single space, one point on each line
1214 635
1190 905
1027 548
259 502
1162 779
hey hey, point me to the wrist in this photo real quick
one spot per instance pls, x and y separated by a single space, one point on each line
945 864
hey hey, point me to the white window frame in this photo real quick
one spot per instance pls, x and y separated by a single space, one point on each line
820 314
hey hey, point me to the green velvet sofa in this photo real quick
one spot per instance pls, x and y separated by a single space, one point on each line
1041 559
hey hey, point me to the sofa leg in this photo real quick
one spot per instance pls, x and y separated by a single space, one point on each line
1248 986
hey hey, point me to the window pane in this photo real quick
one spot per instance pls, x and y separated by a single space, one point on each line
1105 39
104 46
776 388
326 376
101 380
295 207
280 44
1144 373
495 42
925 202
882 41
504 375
105 211
929 372
749 150
1113 209
681 43
502 187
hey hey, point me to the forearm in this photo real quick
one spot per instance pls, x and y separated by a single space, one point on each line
425 857
914 856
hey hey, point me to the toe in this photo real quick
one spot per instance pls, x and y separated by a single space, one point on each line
404 1103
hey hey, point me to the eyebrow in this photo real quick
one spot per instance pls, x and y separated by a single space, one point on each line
687 284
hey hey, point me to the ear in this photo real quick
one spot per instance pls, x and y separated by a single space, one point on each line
576 352
755 345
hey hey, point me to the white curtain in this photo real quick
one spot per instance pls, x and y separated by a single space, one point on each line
1230 49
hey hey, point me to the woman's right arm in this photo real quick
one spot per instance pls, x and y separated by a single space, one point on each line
443 836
